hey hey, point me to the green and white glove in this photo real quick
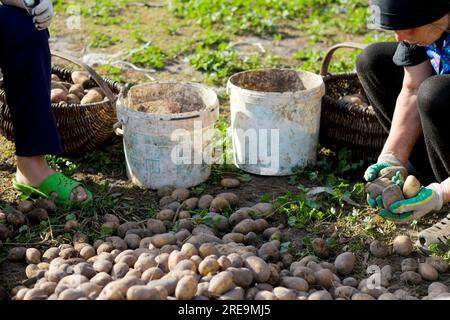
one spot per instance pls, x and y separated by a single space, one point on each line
384 161
427 200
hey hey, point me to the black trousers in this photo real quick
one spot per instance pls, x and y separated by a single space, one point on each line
382 82
25 61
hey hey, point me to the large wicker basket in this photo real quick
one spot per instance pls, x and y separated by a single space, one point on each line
345 124
82 128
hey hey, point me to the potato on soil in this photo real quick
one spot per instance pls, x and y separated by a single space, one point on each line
186 288
345 263
166 214
427 272
205 201
245 226
25 206
17 254
35 216
156 226
230 183
379 249
219 204
232 198
259 268
221 283
180 194
33 256
320 248
207 266
403 245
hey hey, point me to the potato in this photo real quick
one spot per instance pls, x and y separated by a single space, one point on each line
325 278
344 292
438 263
174 258
17 254
303 272
132 241
411 278
202 229
353 99
76 89
162 261
189 250
232 198
59 85
35 216
236 293
92 96
200 239
153 273
259 268
169 284
250 238
101 279
263 209
233 237
165 191
58 95
115 290
25 206
362 296
84 269
4 232
219 204
35 294
186 288
265 295
391 194
81 77
320 295
320 248
119 270
379 249
156 226
165 215
269 251
32 256
165 201
376 187
105 247
102 266
411 187
224 263
71 225
161 240
208 249
390 172
16 218
409 264
427 272
220 283
129 259
260 225
73 99
345 263
142 292
437 287
180 194
403 246
205 201
48 287
282 293
208 265
387 296
191 204
245 226
230 183
31 270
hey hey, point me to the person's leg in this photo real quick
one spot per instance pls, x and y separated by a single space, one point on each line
382 81
434 102
26 64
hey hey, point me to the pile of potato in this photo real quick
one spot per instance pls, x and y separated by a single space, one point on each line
390 191
357 99
78 92
181 255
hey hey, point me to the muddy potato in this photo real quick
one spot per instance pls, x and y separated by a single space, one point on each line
76 89
409 264
119 270
220 222
259 268
93 96
156 226
230 183
132 241
250 238
81 77
25 206
203 229
437 287
232 198
174 258
32 256
124 227
260 225
68 253
191 204
245 226
208 249
411 187
35 216
438 263
105 247
165 191
233 237
379 249
236 260
303 272
200 239
427 272
325 278
403 246
115 290
162 261
71 225
391 194
376 187
205 201
219 204
4 232
411 278
17 254
165 201
16 218
180 194
269 251
220 283
161 240
31 270
189 249
184 215
186 288
35 294
84 269
129 259
269 232
263 209
58 95
208 265
224 263
240 215
320 248
153 273
345 263
165 215
169 284
73 99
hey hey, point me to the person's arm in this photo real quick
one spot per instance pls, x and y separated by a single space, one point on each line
406 126
15 3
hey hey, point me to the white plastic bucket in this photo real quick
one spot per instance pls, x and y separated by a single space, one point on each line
272 132
167 149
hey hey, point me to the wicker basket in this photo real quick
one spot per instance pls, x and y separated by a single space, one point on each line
345 124
82 128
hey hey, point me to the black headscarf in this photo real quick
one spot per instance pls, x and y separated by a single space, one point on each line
407 14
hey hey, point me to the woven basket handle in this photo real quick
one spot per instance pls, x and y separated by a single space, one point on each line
99 80
330 52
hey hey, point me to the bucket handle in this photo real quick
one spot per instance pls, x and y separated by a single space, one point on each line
330 52
99 80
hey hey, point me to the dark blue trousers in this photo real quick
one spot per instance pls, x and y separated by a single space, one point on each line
25 61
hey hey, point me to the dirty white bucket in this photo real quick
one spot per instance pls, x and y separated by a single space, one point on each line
275 124
164 127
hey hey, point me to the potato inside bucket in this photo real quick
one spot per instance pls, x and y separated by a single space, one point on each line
270 80
165 98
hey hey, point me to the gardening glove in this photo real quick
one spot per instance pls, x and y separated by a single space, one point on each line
42 13
427 200
384 161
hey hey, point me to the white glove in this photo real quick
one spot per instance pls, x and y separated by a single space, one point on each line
42 14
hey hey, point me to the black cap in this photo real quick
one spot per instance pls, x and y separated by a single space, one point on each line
407 14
